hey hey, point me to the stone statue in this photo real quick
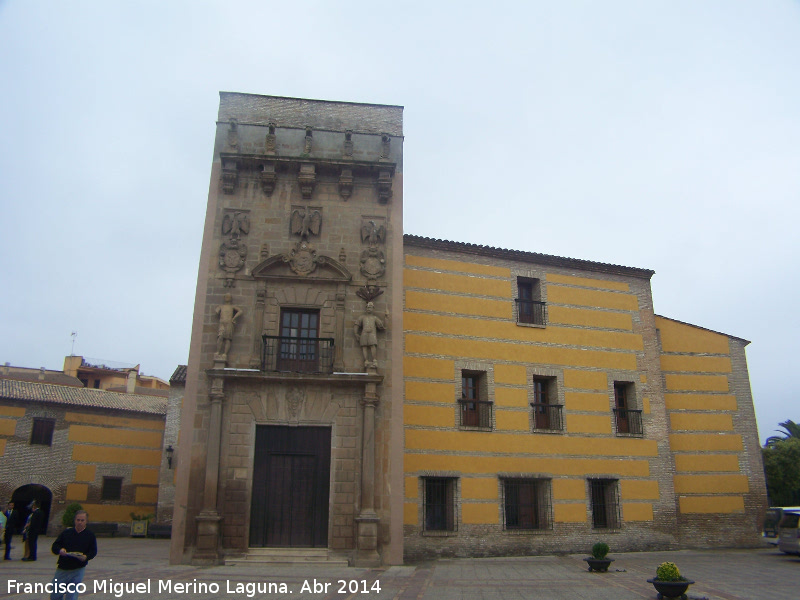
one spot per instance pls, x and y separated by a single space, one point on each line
228 313
366 330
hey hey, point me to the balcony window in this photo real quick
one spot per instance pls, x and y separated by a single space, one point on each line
530 308
628 420
475 408
298 347
547 414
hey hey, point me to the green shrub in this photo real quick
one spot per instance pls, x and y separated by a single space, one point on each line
68 518
599 550
135 517
668 571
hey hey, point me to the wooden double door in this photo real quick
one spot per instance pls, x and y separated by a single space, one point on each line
291 485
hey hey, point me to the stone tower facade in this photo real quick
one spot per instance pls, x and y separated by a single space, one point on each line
291 426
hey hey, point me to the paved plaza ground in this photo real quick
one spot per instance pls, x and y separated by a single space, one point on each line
752 574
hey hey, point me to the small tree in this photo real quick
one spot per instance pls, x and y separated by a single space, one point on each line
782 471
68 518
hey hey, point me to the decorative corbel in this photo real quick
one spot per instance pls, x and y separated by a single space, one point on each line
230 175
268 178
368 292
307 178
384 186
346 183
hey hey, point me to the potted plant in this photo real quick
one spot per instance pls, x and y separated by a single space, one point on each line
139 524
669 582
598 561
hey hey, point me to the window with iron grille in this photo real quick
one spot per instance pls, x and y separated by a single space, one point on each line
530 308
476 409
112 488
42 432
627 418
439 503
604 495
547 413
526 504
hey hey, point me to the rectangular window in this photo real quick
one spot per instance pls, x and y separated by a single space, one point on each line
605 503
112 488
97 384
476 410
439 503
299 341
527 504
42 432
530 308
547 413
628 419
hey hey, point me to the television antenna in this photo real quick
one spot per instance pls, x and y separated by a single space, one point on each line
73 335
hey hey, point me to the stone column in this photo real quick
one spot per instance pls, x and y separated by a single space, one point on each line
338 352
258 327
367 519
209 520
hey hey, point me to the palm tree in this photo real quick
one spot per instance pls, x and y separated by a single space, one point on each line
791 429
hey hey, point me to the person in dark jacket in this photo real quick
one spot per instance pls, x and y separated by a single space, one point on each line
12 525
33 528
75 547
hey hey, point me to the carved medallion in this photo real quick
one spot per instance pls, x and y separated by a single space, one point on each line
295 397
232 254
302 259
373 263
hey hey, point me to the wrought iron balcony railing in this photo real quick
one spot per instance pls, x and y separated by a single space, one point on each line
476 413
297 354
548 417
628 421
531 312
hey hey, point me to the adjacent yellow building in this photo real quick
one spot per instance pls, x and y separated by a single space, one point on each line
546 408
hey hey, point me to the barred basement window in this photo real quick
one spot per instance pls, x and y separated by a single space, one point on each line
439 503
605 503
42 432
112 488
527 504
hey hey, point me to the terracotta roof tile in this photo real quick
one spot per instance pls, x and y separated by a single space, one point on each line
88 397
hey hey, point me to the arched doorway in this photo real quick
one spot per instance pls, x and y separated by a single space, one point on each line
24 495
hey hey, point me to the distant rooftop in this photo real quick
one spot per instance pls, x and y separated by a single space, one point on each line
179 376
80 397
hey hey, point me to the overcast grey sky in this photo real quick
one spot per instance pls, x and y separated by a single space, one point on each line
661 135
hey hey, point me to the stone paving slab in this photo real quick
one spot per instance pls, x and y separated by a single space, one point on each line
125 564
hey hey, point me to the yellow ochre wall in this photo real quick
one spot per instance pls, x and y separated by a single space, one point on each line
701 407
90 444
460 313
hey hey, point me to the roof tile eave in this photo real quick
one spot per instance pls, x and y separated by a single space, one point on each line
548 259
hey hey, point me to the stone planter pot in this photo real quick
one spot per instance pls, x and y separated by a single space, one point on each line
671 589
599 564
